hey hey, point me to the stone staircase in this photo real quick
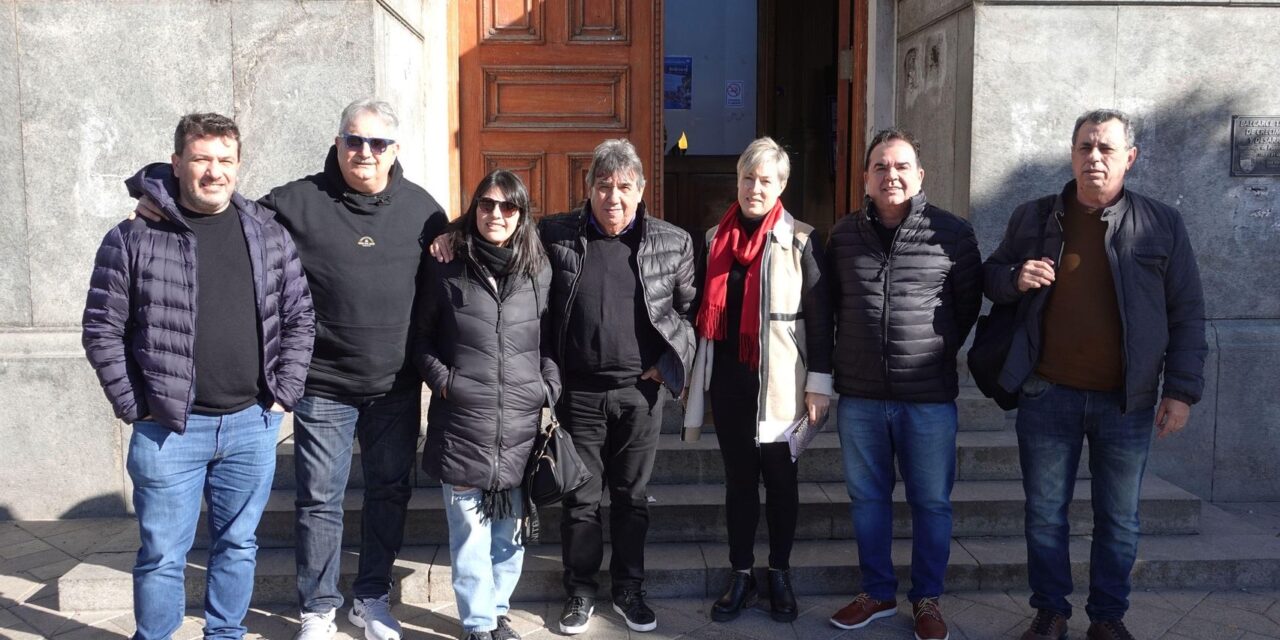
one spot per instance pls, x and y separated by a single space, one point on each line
1187 543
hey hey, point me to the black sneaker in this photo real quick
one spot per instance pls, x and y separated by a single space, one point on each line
576 614
630 605
479 635
504 630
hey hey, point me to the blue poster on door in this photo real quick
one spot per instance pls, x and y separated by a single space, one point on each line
677 82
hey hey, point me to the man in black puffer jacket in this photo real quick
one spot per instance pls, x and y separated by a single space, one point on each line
621 292
907 284
199 326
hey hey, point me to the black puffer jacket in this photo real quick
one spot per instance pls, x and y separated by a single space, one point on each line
481 354
901 318
665 262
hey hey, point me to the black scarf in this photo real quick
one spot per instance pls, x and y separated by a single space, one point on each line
494 260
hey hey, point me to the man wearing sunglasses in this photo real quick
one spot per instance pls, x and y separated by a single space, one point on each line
360 227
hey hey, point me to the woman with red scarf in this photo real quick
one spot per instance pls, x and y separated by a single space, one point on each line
764 364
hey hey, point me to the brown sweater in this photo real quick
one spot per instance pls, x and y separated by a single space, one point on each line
1082 330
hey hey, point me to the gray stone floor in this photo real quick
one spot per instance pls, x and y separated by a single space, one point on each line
34 554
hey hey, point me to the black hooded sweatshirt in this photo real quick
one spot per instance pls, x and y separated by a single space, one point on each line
362 255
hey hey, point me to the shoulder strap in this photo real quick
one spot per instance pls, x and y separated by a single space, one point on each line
1044 209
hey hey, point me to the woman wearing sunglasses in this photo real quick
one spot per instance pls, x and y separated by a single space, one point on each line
764 363
479 350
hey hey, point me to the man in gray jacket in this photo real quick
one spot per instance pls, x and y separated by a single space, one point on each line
1111 300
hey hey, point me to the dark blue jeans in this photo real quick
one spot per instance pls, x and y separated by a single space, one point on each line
1053 422
324 429
922 436
229 460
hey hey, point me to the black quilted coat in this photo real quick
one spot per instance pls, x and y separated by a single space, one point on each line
902 317
665 262
480 351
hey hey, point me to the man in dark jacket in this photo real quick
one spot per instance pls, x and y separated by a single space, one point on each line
200 328
1110 299
360 227
907 289
621 291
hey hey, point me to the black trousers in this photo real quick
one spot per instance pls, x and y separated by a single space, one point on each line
733 406
616 433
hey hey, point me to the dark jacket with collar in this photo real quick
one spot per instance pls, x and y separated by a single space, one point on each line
666 271
484 349
902 317
140 316
362 254
1157 289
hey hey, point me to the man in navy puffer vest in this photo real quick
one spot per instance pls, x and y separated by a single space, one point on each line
200 327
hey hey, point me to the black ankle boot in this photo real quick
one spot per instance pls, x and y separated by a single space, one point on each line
741 594
782 599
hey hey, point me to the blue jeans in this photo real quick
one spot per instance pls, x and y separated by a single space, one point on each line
1053 421
229 459
487 557
922 435
324 430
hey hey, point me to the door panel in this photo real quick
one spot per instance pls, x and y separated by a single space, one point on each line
542 82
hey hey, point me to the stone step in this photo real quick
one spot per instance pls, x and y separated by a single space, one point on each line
695 513
980 455
684 569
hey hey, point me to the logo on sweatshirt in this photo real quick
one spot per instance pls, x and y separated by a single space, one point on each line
365 241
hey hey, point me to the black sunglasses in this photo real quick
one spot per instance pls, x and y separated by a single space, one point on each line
486 205
376 145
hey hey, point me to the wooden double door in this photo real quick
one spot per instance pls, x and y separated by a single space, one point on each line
542 82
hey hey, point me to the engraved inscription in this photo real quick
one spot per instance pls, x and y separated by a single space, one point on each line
1255 145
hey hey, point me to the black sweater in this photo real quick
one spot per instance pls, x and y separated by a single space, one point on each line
362 255
228 359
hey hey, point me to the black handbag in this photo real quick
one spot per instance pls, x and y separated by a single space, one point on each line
992 340
993 337
554 470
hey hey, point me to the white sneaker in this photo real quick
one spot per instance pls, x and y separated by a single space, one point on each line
318 626
374 616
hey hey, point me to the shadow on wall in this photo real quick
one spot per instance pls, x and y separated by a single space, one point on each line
107 504
1184 160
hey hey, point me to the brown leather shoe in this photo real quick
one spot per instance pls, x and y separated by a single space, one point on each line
1047 625
862 611
929 622
1108 630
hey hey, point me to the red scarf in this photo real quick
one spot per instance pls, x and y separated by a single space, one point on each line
730 243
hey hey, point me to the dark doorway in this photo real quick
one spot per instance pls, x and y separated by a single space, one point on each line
739 69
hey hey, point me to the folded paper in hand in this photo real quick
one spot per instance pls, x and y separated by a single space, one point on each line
800 435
